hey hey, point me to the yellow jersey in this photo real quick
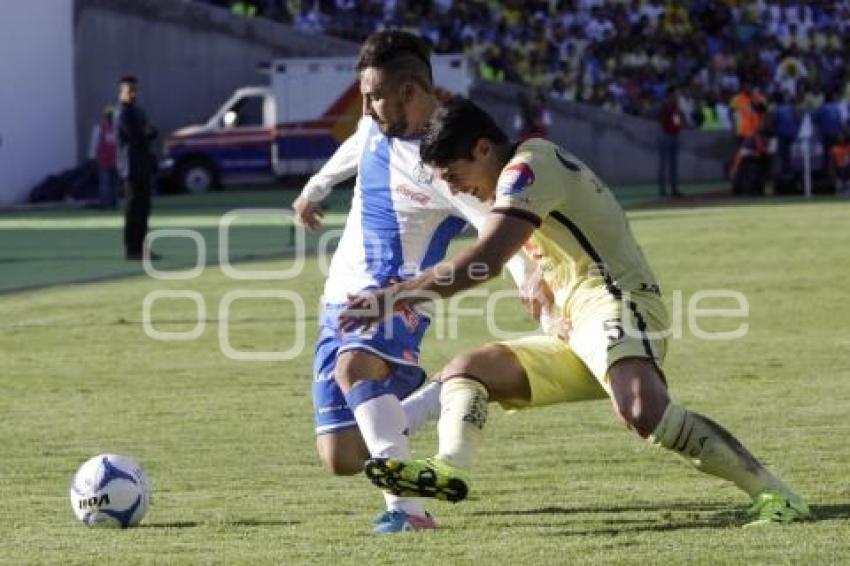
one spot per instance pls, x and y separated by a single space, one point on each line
583 242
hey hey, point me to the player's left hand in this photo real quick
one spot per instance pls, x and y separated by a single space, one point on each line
366 308
555 325
308 213
536 295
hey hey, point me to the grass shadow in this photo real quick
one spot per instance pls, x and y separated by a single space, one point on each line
698 516
720 521
719 516
261 523
829 512
556 510
171 525
231 523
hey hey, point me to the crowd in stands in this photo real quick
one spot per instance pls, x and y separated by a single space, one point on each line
619 54
742 65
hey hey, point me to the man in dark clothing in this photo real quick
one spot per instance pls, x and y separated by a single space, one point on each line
827 121
671 120
135 166
787 119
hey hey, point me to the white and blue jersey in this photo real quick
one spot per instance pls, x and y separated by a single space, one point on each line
401 218
401 222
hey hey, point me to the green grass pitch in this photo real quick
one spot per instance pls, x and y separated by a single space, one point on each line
229 444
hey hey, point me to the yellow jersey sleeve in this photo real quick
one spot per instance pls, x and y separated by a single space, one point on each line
583 239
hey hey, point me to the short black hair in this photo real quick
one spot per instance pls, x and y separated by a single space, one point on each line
453 131
402 54
128 79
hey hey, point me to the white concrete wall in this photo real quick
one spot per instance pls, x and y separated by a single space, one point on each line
620 149
37 106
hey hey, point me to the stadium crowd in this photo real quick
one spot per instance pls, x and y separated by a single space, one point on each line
619 54
753 67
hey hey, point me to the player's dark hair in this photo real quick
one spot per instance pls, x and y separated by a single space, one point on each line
401 54
453 131
128 79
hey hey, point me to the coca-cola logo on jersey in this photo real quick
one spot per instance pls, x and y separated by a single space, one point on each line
410 193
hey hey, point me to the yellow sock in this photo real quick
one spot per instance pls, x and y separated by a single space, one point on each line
711 449
462 419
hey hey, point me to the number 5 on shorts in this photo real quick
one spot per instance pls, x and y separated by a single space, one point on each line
613 330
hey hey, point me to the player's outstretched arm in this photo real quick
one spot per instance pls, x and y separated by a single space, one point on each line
500 238
520 266
535 295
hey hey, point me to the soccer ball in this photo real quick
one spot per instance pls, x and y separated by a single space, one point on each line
110 491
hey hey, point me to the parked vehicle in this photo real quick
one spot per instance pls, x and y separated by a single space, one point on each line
290 127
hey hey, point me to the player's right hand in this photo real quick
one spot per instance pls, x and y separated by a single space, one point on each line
366 308
308 213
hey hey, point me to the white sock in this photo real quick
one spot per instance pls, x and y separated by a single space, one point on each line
422 406
383 424
462 419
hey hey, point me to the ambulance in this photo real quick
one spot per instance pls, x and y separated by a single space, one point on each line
290 127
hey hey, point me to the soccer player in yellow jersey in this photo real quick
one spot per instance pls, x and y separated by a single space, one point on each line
551 204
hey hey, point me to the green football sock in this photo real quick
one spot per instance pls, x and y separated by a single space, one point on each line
711 449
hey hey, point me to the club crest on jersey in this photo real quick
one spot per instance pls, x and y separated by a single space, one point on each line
423 174
515 178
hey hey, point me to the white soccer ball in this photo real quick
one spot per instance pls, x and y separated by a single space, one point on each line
110 491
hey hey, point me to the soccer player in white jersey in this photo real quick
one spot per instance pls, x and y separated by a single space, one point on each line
400 223
547 200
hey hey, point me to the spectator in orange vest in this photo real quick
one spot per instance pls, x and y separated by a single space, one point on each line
745 105
752 151
102 150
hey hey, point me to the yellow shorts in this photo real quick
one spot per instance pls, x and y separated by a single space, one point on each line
604 331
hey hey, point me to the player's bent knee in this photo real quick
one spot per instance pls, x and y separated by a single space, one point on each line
638 419
461 364
355 365
479 360
496 367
